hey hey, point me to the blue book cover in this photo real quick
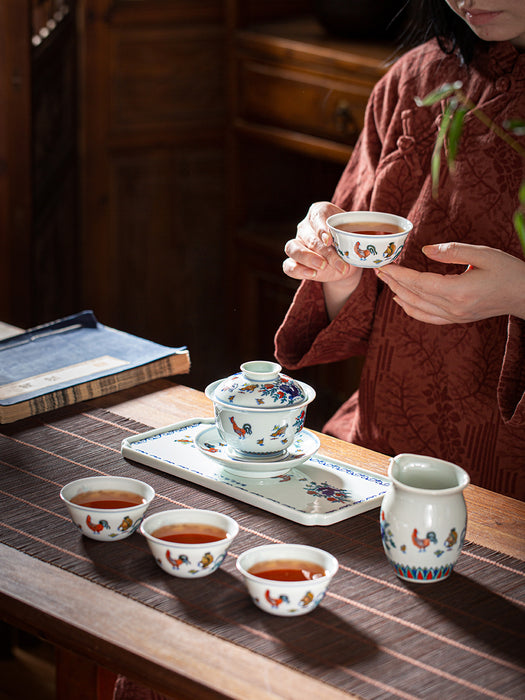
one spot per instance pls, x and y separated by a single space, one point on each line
73 351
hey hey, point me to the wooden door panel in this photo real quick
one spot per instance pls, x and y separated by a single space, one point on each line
154 144
167 78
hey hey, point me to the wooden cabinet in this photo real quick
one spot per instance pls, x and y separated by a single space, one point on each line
154 106
155 156
298 103
39 236
302 89
113 122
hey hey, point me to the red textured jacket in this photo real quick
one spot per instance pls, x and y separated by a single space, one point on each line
455 391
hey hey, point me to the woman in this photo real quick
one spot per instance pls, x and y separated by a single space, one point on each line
443 328
445 367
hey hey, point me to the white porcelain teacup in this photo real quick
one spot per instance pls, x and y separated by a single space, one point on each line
198 540
287 579
107 508
368 238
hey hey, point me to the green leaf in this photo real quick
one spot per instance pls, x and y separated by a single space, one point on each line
521 193
435 168
515 126
441 93
438 146
519 225
454 135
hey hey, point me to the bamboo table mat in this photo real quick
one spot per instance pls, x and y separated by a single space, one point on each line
373 635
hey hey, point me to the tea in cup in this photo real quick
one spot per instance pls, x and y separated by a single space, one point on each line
368 238
287 579
189 542
107 508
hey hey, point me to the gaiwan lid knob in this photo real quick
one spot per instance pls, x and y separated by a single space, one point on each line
259 384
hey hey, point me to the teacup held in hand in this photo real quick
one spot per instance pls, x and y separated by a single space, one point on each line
368 238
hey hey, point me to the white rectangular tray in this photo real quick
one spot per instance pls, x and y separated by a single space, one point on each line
321 491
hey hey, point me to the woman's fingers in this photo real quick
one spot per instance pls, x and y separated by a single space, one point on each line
492 284
302 262
311 254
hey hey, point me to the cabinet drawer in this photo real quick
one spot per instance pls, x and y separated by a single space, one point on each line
301 102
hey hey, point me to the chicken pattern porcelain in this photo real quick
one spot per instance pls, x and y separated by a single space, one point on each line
423 517
259 412
259 434
287 598
367 249
106 525
259 384
189 560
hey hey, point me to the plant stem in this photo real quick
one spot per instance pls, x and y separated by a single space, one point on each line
491 125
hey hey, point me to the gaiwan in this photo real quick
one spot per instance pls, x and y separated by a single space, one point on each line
259 411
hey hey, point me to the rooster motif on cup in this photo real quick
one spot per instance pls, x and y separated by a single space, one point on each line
363 253
97 527
241 432
275 602
176 563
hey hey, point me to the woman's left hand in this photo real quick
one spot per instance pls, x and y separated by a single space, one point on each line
492 285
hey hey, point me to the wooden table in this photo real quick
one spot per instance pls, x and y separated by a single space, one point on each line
95 627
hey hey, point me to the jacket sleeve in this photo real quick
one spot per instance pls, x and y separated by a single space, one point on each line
511 387
306 336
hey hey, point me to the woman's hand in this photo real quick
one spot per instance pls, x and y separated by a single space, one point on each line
311 256
492 285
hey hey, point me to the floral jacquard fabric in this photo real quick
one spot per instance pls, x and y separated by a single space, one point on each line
455 391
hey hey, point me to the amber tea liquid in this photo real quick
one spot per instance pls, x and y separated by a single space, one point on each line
371 228
190 533
287 570
108 499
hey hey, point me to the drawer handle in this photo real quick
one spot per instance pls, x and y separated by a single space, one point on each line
344 119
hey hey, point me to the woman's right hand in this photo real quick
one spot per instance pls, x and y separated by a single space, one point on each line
311 256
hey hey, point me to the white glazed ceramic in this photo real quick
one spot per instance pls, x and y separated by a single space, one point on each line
305 445
189 560
259 411
321 491
362 250
107 524
286 598
424 517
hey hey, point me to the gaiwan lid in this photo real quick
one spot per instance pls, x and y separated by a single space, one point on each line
259 384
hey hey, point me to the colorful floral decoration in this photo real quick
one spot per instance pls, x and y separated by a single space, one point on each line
388 537
326 490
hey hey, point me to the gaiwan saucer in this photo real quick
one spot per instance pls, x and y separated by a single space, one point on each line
305 445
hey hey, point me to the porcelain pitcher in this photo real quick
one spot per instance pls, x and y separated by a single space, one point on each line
423 517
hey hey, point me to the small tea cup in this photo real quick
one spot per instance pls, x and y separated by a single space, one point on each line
104 522
368 238
194 557
279 595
